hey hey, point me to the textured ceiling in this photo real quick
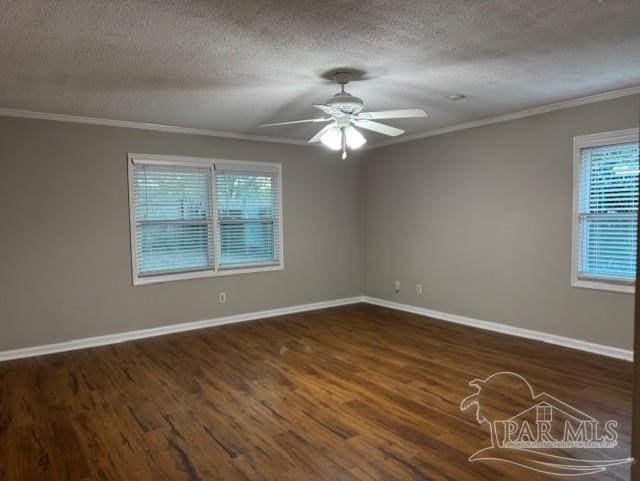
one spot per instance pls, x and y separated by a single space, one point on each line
232 65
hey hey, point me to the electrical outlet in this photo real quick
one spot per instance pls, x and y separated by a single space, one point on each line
397 286
419 289
223 297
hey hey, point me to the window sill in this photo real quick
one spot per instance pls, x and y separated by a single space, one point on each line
603 286
143 281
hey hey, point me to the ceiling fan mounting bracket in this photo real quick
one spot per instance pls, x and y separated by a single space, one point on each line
343 78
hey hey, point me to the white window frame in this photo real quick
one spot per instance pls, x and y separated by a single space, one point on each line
580 142
133 159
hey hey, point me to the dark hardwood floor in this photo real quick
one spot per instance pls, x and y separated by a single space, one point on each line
351 393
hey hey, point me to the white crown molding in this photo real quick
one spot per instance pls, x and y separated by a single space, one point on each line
170 329
543 109
29 114
572 343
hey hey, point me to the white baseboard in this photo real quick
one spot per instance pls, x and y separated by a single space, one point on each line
609 351
170 329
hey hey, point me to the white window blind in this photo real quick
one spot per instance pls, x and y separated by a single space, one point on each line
201 217
173 219
607 213
247 218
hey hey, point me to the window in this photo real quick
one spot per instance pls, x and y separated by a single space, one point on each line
247 226
605 210
544 414
195 217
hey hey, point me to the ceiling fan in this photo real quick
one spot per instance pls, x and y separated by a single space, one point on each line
345 114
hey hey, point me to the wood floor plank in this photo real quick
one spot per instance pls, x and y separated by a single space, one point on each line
358 393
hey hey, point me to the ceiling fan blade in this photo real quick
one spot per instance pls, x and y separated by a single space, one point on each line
325 108
393 114
378 127
316 138
295 122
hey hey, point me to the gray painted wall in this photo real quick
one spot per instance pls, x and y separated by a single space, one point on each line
482 218
65 246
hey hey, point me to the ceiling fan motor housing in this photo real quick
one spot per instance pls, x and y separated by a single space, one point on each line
345 103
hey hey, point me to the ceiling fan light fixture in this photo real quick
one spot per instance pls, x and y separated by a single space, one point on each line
343 113
355 139
332 138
